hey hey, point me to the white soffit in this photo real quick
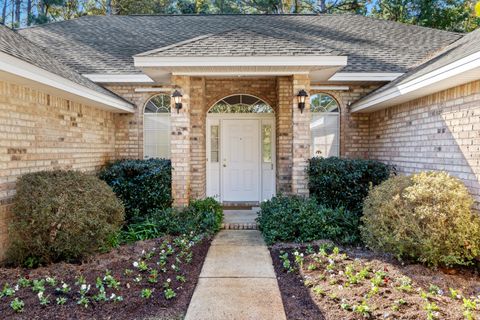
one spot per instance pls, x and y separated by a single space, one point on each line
329 88
118 78
26 73
242 61
365 76
459 72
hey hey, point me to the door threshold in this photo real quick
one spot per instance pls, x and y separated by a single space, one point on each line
239 205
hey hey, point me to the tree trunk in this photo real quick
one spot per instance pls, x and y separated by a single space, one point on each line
18 4
109 8
4 12
322 7
29 12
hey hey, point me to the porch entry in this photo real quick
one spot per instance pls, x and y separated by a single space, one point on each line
241 150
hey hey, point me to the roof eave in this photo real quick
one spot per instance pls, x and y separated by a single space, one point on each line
25 70
453 74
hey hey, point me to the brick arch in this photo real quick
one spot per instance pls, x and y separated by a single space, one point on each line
264 89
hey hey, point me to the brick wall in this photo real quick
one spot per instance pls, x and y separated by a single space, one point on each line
437 132
40 131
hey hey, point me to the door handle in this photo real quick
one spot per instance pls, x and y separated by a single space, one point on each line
224 163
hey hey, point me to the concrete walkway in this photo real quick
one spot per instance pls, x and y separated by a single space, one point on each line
237 280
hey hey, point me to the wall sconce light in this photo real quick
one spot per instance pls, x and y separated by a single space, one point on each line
301 96
177 97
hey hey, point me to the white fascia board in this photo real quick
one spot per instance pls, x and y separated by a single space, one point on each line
239 73
429 79
365 76
153 89
250 61
28 71
118 78
330 88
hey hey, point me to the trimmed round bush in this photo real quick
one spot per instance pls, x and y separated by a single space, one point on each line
144 186
337 182
298 219
62 216
426 217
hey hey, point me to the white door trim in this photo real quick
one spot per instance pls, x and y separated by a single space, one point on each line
217 119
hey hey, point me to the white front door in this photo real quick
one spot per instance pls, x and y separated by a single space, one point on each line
240 160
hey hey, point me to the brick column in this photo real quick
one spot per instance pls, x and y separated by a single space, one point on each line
180 144
197 138
284 135
301 136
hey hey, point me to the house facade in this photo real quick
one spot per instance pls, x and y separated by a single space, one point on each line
78 94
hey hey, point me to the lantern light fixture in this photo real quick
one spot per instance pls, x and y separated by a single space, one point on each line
177 98
302 96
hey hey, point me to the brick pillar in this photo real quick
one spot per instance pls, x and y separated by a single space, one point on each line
197 139
284 135
180 144
301 136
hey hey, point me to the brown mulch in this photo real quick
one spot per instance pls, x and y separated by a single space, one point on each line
117 261
336 298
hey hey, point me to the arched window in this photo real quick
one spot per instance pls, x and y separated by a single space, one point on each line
325 126
241 103
156 127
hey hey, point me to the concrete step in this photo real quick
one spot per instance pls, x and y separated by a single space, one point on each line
239 226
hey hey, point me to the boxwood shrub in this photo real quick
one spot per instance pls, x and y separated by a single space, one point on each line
61 216
337 182
298 219
426 217
144 186
200 217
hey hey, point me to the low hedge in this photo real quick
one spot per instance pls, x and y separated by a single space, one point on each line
298 219
337 182
61 216
144 186
200 217
426 217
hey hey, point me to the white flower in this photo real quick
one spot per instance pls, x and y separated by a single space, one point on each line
113 296
169 280
135 264
84 287
173 266
16 287
143 252
64 285
40 295
163 251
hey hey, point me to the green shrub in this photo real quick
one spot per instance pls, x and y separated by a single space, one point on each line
200 217
297 219
61 216
337 182
144 186
426 217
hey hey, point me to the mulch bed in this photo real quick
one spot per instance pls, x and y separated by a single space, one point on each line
117 261
319 291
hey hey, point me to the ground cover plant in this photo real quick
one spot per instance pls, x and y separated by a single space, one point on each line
61 216
148 278
427 217
299 219
144 186
328 282
337 182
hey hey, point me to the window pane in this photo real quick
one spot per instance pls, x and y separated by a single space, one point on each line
267 143
241 104
214 139
156 128
324 128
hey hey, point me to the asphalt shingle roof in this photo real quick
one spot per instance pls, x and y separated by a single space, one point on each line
106 44
17 46
465 46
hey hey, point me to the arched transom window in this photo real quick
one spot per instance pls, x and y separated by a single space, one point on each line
156 127
325 126
241 103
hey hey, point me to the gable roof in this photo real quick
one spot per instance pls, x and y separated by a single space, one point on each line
18 47
241 42
462 56
107 44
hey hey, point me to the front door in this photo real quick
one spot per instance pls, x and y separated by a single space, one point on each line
240 160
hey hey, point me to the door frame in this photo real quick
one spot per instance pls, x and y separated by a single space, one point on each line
216 119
